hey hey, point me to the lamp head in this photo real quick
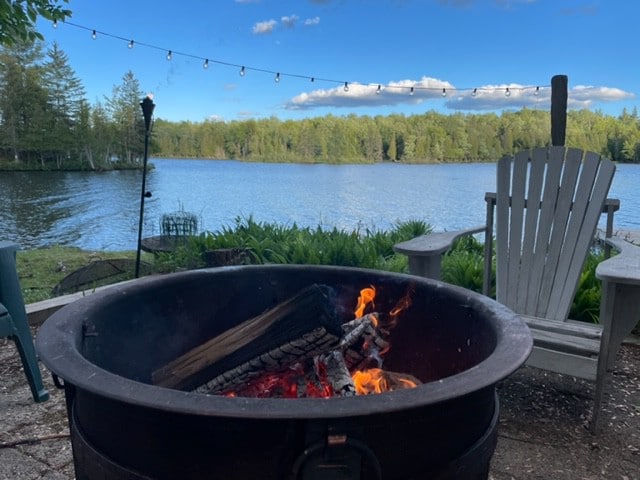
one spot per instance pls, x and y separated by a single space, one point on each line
147 110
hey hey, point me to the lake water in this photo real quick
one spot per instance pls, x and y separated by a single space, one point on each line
100 211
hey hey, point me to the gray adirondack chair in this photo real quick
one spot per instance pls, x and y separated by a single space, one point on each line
546 210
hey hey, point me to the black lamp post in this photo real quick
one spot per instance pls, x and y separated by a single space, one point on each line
147 111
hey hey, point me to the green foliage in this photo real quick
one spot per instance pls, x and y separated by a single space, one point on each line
272 243
463 265
427 138
586 303
18 18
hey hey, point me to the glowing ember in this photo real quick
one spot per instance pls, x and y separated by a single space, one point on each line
310 379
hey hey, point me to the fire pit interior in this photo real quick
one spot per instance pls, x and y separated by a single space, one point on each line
107 347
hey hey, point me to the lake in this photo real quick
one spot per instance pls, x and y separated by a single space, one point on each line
100 211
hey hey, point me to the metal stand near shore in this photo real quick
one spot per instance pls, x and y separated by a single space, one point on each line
147 111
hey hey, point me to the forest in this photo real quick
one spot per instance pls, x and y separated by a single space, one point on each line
47 123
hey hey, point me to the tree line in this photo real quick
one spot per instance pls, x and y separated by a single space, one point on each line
46 122
428 138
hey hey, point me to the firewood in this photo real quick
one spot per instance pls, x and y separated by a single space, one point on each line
272 337
338 374
308 346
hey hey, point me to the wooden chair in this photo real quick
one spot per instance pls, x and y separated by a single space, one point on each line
546 210
13 320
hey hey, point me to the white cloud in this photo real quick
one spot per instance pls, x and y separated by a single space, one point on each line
289 21
265 27
493 97
359 95
312 21
484 98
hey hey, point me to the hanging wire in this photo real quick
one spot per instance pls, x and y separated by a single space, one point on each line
243 69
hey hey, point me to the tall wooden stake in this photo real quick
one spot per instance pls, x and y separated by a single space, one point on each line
559 94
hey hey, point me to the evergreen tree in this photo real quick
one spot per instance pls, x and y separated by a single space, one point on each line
125 112
66 99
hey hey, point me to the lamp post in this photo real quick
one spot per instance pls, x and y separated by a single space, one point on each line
147 111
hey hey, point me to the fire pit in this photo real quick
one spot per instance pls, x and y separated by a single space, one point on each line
106 347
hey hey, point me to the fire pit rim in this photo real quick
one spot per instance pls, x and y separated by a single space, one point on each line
58 350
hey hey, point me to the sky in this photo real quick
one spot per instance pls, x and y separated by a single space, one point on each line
309 58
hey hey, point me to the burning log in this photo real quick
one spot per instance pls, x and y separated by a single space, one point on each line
309 345
338 374
300 327
297 349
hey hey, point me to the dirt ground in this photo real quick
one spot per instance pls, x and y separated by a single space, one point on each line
542 433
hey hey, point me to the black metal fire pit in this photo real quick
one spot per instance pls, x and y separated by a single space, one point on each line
105 347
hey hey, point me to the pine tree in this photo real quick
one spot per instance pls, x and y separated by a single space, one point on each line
125 112
66 95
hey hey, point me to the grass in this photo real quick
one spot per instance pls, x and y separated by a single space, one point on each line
41 269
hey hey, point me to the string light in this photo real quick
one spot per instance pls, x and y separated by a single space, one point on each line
55 24
278 75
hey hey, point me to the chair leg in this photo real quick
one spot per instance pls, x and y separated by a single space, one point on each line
601 378
619 313
11 298
31 368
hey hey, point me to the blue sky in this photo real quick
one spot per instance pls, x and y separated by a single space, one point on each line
427 45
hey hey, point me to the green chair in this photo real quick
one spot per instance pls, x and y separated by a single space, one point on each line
13 319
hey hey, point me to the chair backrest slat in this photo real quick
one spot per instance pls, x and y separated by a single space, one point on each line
548 202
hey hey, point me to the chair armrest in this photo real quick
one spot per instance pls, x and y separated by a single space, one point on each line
621 268
433 243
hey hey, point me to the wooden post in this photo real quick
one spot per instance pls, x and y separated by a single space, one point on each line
559 94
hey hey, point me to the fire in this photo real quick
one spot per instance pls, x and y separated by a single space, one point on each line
366 297
310 378
369 381
376 380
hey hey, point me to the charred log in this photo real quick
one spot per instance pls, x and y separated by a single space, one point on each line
301 326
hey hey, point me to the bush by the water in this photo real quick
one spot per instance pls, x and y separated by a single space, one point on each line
280 244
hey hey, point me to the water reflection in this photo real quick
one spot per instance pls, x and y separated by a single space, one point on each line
100 210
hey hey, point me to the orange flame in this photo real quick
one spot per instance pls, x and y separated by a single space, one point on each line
376 380
369 381
366 297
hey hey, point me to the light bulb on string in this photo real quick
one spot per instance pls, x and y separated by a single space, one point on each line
411 92
130 44
205 65
378 90
475 91
94 35
55 24
507 92
537 92
444 92
242 71
169 55
313 79
346 86
277 79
